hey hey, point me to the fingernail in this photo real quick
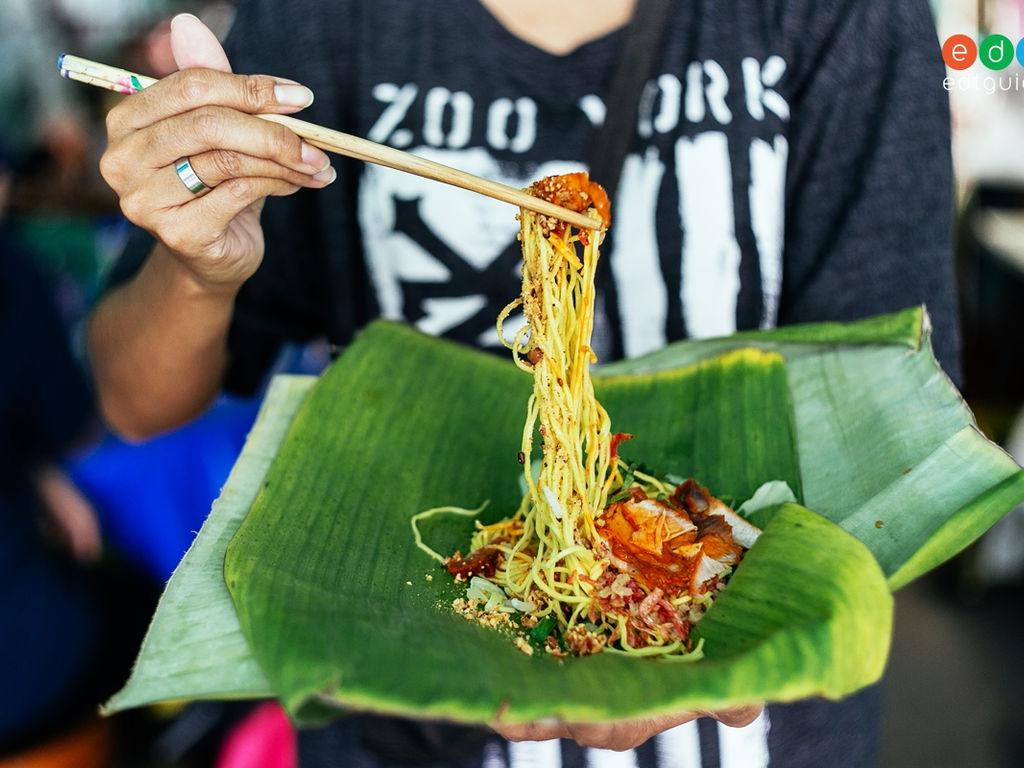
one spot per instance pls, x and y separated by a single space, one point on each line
314 158
327 175
182 16
293 95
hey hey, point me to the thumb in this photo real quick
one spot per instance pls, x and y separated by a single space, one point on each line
194 45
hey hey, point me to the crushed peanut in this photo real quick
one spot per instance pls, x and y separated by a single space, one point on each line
470 611
581 642
524 646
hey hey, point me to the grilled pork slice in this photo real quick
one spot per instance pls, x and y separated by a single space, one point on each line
678 546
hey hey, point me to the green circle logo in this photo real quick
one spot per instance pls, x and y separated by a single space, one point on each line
996 52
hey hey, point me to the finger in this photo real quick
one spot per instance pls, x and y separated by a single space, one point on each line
190 89
223 203
83 531
194 45
621 736
73 515
616 737
738 717
219 165
206 79
537 731
215 167
210 128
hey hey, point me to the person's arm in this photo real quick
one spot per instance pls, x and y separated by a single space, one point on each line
158 343
158 347
870 191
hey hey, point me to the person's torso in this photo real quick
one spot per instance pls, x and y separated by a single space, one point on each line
696 244
695 250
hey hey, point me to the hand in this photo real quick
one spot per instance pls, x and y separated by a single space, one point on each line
70 514
620 736
206 114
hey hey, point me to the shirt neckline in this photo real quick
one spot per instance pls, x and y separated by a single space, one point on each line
520 53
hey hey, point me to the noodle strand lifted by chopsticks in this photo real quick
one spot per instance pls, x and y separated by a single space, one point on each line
561 505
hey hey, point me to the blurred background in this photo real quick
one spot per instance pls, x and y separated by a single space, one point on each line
123 515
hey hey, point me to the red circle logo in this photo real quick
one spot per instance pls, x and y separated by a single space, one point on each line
959 52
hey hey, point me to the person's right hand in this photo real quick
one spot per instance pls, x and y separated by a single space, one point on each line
206 114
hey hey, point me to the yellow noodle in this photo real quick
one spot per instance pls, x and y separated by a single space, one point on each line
551 546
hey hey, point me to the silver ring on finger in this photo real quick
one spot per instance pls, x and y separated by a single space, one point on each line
189 177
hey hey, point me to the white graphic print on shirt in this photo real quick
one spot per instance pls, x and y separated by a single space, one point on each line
446 260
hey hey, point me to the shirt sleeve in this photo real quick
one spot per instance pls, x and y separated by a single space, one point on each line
870 190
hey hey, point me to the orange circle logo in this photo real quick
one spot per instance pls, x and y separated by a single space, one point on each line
959 52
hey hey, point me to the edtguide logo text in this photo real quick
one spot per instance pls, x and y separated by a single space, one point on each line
995 52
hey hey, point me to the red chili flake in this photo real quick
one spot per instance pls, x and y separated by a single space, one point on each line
535 355
617 439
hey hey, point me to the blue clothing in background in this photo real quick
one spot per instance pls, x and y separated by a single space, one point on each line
153 498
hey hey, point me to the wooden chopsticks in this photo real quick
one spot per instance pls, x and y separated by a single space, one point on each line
123 81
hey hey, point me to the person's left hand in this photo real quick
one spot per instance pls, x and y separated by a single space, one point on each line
620 736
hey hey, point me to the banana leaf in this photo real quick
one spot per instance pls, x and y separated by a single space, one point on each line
879 442
194 648
888 449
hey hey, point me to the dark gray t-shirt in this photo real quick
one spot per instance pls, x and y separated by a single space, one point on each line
791 163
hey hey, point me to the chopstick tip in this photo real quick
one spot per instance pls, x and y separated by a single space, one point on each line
60 65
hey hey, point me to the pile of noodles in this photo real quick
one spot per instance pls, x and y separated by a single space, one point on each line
552 553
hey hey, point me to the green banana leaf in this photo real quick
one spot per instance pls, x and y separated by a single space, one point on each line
333 596
888 449
804 614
